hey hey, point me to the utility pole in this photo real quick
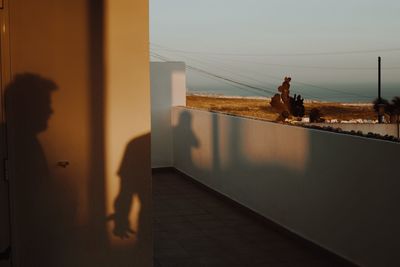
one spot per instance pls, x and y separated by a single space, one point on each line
379 79
381 107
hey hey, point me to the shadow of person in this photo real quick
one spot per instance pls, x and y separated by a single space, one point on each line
131 215
184 135
28 99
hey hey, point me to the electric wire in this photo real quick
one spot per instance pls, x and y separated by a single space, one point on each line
156 55
261 83
219 80
325 53
314 86
312 67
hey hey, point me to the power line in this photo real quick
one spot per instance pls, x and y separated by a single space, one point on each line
233 85
301 66
327 53
247 77
310 66
218 79
320 87
262 89
204 63
218 76
309 85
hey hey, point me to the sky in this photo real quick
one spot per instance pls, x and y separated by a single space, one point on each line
329 48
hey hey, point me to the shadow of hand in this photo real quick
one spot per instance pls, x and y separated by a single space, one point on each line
122 227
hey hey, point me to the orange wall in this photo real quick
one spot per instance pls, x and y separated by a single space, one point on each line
97 56
127 114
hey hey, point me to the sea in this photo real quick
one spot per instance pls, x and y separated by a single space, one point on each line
344 93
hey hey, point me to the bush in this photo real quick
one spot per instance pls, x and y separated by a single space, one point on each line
315 115
297 106
276 103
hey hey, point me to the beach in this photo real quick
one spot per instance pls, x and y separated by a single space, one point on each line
260 108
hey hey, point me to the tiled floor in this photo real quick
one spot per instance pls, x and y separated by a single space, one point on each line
194 227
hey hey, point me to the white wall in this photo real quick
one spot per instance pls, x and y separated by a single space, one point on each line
339 191
168 89
382 129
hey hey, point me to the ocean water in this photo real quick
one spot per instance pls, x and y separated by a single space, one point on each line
359 93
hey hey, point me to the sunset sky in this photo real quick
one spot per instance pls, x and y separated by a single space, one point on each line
328 47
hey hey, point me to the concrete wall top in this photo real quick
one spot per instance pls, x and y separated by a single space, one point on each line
382 129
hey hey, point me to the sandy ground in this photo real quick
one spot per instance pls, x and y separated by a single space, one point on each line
261 109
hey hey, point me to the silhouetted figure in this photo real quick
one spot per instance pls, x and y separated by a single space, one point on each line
28 99
188 140
134 172
185 122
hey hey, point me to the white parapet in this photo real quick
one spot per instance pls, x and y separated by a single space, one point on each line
168 89
338 191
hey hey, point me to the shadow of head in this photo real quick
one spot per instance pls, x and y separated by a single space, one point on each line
185 120
185 127
29 101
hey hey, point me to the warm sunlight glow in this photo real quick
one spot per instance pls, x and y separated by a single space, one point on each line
289 149
127 120
196 153
134 223
178 86
126 176
215 142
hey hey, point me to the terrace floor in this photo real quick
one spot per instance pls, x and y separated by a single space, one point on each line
194 227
